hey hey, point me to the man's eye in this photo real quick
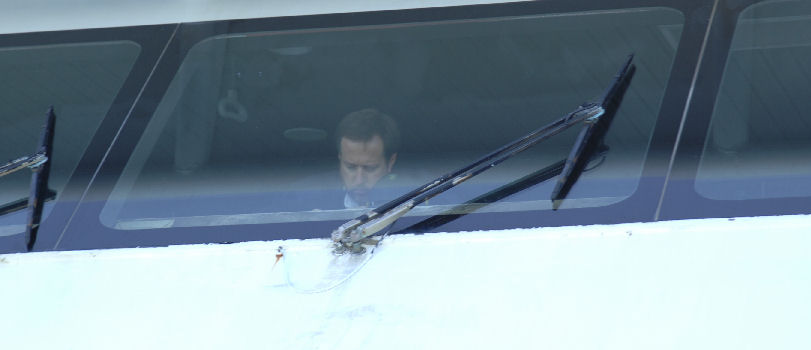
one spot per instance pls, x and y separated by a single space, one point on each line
370 168
351 166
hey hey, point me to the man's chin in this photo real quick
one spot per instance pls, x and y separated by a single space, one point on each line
359 195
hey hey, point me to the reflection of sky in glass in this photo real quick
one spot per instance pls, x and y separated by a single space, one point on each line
760 137
80 81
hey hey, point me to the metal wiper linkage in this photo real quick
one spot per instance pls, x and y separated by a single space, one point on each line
596 116
40 164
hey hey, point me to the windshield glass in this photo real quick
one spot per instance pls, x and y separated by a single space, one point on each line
760 133
318 124
80 81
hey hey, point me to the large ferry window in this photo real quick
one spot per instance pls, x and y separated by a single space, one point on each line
760 134
250 128
80 81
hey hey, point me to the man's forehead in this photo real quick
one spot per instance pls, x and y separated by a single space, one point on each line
372 148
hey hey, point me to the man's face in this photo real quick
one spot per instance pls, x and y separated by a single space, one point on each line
363 164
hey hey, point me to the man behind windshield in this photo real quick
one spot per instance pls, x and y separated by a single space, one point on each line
367 142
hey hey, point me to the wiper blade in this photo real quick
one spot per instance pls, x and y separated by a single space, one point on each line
40 164
349 235
590 139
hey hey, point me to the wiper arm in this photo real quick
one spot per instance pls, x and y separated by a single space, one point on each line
22 203
40 164
493 196
349 235
375 220
31 161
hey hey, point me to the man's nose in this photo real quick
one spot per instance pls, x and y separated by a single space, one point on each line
361 176
358 176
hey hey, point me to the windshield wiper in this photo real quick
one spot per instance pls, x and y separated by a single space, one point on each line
493 196
40 164
597 117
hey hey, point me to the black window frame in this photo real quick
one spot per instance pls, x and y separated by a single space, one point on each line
85 231
681 199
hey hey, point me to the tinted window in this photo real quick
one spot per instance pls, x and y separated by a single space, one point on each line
80 81
246 131
760 134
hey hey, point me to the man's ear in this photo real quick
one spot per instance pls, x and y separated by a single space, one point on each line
392 159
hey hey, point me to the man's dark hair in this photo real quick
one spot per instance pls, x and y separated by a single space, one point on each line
364 124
